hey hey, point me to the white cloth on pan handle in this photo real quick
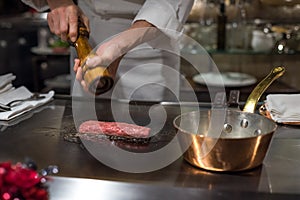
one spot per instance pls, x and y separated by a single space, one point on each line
284 107
21 93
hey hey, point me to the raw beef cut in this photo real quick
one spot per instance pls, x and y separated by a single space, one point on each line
119 129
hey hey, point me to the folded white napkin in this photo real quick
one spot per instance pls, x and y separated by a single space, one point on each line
21 93
284 107
6 88
5 82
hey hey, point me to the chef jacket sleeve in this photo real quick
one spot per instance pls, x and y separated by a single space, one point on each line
39 5
165 14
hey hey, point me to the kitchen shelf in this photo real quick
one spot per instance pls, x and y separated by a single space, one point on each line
234 52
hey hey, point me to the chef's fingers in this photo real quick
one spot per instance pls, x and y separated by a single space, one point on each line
80 80
50 22
106 54
95 61
58 23
79 74
53 21
76 64
83 84
63 21
63 27
110 50
72 18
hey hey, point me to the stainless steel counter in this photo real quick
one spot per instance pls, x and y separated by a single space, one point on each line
40 136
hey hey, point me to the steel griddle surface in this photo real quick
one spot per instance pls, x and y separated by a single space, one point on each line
40 136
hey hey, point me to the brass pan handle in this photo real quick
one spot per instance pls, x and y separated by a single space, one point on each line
261 87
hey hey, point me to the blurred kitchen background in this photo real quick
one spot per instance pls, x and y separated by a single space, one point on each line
260 34
39 59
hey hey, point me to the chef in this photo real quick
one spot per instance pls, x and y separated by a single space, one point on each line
142 70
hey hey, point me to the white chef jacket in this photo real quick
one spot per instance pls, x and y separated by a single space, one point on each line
144 73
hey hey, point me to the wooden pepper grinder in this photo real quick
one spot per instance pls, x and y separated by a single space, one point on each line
98 78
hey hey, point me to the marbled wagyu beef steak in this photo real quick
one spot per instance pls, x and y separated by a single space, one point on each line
119 129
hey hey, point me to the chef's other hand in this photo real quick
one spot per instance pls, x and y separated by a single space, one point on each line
63 19
112 68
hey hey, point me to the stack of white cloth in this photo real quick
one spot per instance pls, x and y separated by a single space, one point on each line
284 108
6 82
9 93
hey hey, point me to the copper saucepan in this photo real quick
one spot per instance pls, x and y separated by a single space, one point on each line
240 143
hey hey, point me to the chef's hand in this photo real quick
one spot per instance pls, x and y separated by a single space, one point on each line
63 19
110 53
112 68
